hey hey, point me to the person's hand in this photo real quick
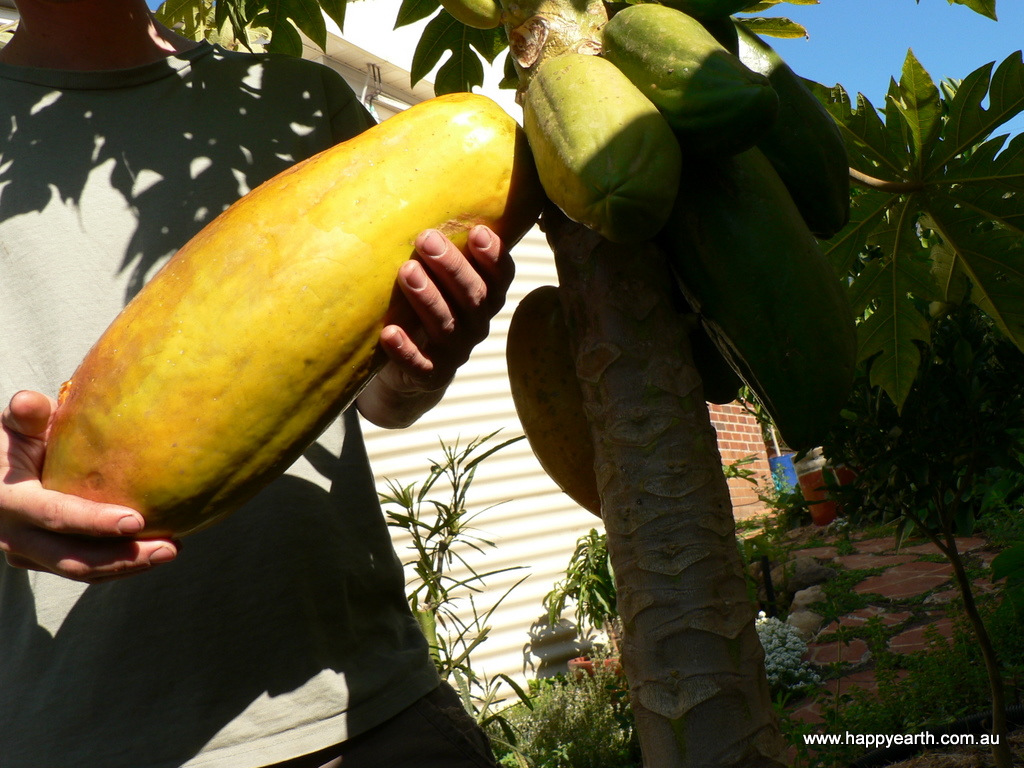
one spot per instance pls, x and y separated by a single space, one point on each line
453 298
44 530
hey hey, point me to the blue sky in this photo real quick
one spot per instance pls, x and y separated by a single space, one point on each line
862 43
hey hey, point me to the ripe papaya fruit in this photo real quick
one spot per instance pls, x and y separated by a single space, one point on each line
769 298
478 14
804 143
265 326
708 9
604 153
713 102
547 397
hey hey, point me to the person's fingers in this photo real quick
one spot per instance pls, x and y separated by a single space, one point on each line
89 560
28 413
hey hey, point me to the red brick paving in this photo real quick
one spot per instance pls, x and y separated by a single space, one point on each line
906 577
818 553
849 652
907 580
865 560
913 640
875 545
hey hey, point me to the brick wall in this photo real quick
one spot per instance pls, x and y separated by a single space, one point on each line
739 436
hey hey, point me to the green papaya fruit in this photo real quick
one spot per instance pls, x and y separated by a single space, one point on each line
478 14
708 9
713 102
721 382
724 31
804 143
775 308
604 153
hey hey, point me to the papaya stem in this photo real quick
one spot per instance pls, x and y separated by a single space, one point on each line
899 187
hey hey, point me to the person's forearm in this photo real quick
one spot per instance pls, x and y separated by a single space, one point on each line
383 406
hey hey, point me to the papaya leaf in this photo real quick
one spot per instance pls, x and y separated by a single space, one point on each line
766 5
284 37
464 68
867 210
984 7
335 10
867 139
949 277
919 105
774 26
1009 564
886 286
190 18
412 11
941 215
888 335
991 182
992 257
969 123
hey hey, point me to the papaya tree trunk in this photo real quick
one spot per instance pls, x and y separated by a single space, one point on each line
690 649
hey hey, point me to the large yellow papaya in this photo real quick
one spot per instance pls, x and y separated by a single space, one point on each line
265 326
546 393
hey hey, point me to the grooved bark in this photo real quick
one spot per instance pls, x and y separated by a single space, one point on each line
690 649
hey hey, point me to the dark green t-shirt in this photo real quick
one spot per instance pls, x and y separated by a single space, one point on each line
283 629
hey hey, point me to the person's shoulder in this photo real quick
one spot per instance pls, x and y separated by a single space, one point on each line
277 63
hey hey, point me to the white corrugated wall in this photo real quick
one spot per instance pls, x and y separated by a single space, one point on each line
532 523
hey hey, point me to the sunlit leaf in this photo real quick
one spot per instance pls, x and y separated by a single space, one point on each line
984 7
412 11
464 68
774 26
969 123
917 101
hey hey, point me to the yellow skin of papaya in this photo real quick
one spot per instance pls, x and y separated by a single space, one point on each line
479 14
547 397
265 326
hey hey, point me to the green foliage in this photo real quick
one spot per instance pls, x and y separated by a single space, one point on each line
941 218
953 451
440 534
589 581
915 692
282 20
467 46
574 722
1009 565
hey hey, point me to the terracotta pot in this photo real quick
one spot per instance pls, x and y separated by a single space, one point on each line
584 665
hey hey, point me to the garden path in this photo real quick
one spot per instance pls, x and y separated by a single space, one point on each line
908 589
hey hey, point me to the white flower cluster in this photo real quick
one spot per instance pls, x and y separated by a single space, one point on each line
783 655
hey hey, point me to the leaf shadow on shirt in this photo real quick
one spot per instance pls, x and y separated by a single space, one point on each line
237 636
193 145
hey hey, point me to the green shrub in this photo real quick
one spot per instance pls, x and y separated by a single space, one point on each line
574 723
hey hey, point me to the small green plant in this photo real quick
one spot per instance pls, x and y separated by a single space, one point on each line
441 534
589 582
574 722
